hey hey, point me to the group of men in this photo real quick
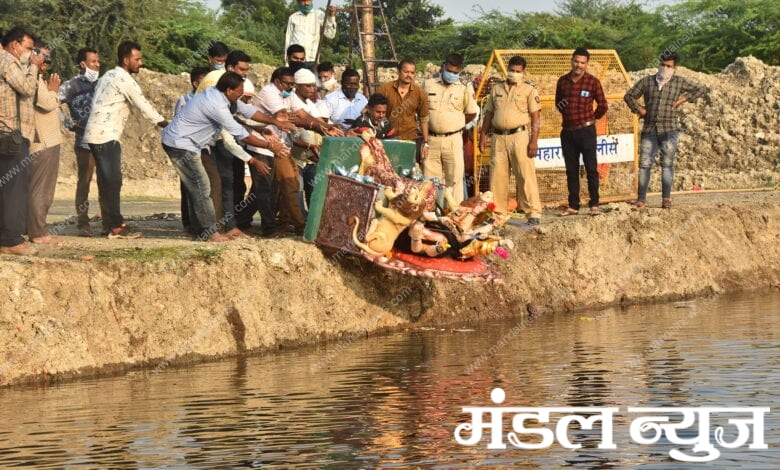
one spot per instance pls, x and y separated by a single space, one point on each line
223 125
512 116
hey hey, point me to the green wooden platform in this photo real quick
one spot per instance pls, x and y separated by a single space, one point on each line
344 152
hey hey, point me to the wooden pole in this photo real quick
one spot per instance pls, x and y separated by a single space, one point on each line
367 39
322 38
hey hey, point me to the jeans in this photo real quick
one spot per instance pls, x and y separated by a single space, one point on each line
573 143
307 173
262 198
85 166
108 163
194 178
225 166
651 147
14 184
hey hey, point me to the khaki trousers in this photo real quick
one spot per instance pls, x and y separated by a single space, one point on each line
43 181
288 182
445 161
509 153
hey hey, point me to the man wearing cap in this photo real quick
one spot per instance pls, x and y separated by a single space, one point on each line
512 115
451 105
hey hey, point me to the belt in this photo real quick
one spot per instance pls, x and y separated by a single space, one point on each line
508 131
444 134
579 126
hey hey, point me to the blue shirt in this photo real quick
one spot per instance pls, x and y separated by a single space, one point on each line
342 109
202 118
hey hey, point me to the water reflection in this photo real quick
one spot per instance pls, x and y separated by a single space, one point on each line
394 402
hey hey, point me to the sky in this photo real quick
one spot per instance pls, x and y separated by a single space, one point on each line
459 10
463 10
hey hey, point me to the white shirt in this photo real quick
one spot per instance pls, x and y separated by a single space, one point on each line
269 100
342 108
304 30
114 94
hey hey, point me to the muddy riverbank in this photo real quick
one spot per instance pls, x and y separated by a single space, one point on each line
92 306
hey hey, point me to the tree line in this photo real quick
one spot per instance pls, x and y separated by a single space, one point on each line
709 34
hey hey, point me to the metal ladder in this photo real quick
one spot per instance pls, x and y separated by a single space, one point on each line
363 26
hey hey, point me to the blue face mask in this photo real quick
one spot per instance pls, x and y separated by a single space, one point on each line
307 9
219 66
286 94
449 77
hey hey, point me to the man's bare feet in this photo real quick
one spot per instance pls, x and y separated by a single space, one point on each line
236 233
19 250
46 239
219 238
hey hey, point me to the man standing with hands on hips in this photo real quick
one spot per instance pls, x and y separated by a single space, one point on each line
663 93
574 96
510 109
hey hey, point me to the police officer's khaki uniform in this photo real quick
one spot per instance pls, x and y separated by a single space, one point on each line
512 108
449 105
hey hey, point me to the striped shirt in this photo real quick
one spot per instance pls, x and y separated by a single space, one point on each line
658 103
17 82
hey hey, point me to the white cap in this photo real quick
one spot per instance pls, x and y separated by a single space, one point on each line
304 76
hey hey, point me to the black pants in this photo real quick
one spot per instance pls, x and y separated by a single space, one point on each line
576 142
14 186
261 198
108 163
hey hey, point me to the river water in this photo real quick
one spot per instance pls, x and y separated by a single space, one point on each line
395 401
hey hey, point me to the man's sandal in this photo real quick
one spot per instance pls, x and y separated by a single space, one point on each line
569 211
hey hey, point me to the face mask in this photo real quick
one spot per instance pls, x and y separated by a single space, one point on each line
514 77
449 77
91 75
327 84
307 9
25 58
219 66
286 94
665 73
349 92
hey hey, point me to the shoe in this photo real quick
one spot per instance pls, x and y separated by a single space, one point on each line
85 232
17 250
666 203
569 211
594 211
123 231
534 221
639 204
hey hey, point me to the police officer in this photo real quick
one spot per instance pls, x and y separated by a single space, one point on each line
512 112
451 105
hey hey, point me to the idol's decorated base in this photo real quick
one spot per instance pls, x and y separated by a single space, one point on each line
370 210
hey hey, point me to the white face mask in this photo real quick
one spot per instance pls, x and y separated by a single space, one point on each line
665 73
329 83
219 66
514 77
91 75
25 58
